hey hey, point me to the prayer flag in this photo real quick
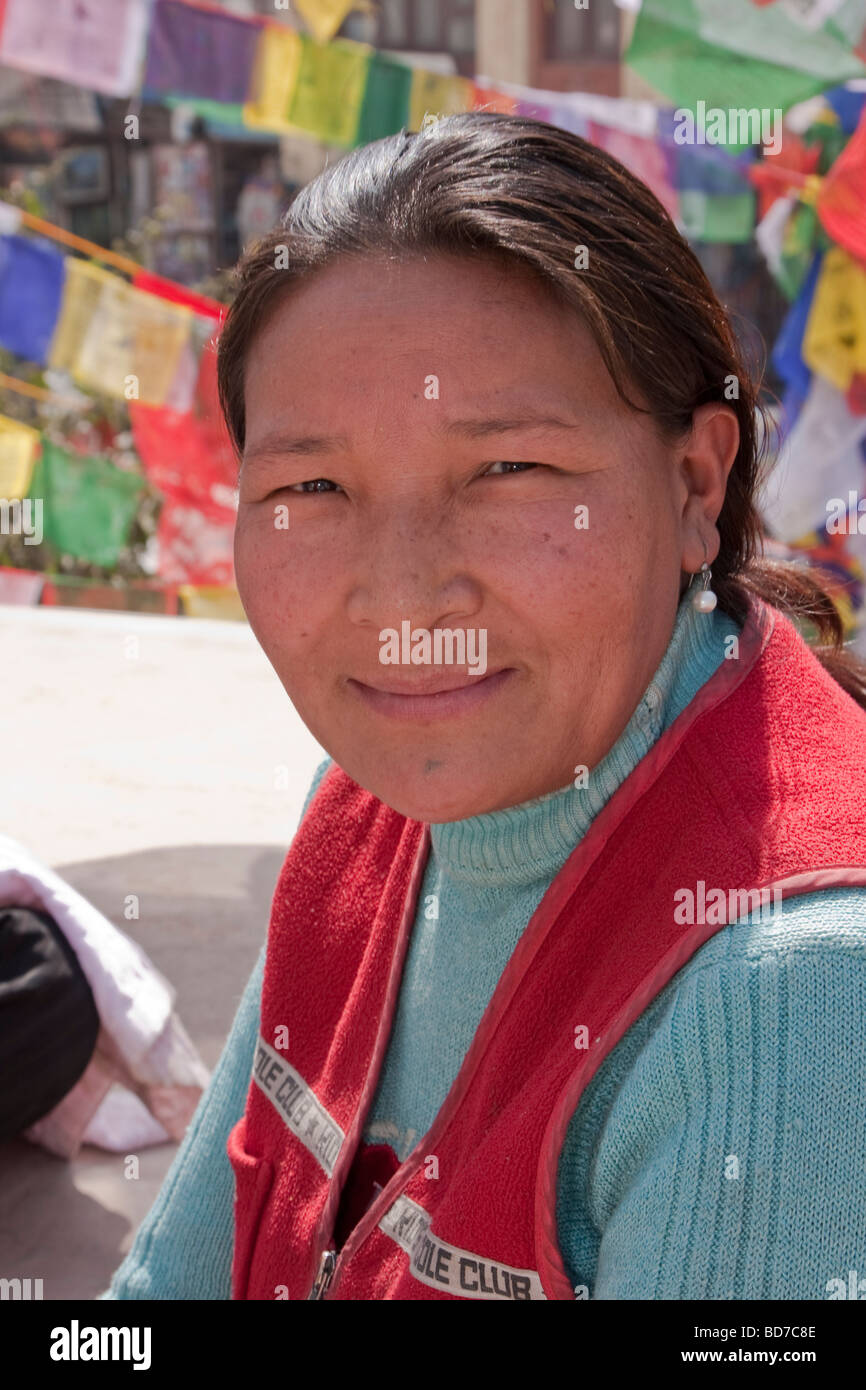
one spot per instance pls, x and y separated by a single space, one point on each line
31 289
432 94
195 548
200 52
91 43
329 91
88 503
116 339
385 108
275 72
787 356
736 55
842 198
490 99
643 156
323 17
820 459
714 217
19 445
211 601
834 343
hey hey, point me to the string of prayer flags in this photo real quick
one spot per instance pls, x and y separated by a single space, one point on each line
834 342
432 94
31 286
329 89
19 445
323 17
200 52
97 45
116 339
741 55
88 504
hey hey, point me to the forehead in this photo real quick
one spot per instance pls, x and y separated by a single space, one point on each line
364 329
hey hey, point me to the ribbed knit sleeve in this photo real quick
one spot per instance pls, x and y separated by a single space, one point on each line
719 1152
183 1248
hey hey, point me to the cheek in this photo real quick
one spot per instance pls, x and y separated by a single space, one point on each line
565 560
283 577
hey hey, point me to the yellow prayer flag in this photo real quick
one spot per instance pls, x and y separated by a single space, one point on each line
323 17
116 339
211 601
834 343
18 446
82 287
435 95
275 72
329 90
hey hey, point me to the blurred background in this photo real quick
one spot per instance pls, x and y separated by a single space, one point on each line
143 144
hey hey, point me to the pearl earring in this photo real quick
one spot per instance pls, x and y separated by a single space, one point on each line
705 600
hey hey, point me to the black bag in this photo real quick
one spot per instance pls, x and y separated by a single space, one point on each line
48 1019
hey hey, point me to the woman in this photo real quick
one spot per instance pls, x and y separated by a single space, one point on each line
567 961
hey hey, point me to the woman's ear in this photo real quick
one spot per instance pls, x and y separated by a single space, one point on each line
706 460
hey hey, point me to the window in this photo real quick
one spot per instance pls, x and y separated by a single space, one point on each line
575 35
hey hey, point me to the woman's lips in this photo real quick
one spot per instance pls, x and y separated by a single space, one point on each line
445 697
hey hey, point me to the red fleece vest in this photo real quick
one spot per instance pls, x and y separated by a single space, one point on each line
758 784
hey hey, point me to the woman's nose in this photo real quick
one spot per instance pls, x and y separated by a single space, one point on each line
411 572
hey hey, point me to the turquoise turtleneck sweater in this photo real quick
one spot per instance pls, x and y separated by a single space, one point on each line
719 1150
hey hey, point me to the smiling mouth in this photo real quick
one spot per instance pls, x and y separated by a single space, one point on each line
440 696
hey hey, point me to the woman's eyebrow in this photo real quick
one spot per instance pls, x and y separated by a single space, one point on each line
300 444
477 428
474 428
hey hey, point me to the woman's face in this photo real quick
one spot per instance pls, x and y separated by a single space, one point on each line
436 445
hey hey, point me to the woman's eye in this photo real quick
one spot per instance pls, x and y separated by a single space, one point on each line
506 467
313 485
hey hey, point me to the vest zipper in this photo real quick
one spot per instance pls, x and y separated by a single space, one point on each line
327 1265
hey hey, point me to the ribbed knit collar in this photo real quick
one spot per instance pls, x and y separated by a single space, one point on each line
531 841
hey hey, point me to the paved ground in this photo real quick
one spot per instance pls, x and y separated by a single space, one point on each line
142 754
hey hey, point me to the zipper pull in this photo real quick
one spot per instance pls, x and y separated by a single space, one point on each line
327 1264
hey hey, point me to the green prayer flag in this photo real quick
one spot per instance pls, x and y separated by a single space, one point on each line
803 237
385 109
728 217
329 90
88 505
737 54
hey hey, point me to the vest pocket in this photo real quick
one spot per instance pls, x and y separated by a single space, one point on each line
253 1180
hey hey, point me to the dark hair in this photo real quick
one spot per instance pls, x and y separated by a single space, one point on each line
514 187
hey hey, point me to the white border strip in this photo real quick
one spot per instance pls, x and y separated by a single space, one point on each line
442 1266
296 1102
